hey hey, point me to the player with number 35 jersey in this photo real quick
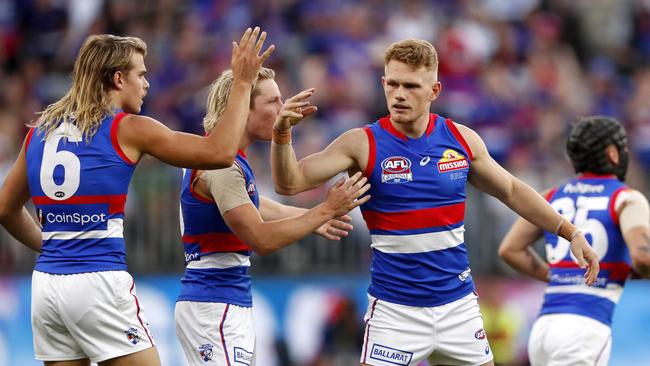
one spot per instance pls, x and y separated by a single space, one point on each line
574 323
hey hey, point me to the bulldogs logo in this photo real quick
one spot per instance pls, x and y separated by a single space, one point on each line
452 160
251 189
205 352
396 169
480 334
132 335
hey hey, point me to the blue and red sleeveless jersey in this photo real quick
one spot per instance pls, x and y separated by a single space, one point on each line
588 201
416 213
79 189
217 261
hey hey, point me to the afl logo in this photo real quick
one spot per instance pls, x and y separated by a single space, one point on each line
396 169
451 160
59 194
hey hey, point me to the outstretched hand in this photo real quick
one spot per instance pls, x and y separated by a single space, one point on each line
586 256
335 228
246 60
294 110
346 195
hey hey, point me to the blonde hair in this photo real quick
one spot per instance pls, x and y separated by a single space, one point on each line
220 91
414 52
87 102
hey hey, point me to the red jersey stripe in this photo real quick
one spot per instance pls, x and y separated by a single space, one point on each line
415 219
618 270
115 202
217 242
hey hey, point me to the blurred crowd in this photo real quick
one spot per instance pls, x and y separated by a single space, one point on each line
518 72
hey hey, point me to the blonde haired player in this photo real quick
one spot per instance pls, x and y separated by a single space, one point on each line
574 324
76 164
225 218
422 302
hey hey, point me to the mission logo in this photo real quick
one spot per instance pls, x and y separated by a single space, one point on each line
452 160
396 169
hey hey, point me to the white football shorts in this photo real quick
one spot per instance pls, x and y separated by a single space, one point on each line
92 315
215 333
450 334
569 339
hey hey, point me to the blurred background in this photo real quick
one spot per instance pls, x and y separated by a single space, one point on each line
518 72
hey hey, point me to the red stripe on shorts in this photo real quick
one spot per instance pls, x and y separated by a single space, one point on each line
137 305
365 340
223 339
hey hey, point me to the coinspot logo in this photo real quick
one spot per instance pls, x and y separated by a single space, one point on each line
74 218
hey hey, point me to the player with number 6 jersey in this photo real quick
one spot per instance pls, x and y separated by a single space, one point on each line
76 164
574 323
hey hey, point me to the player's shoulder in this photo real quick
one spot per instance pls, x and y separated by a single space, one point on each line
630 195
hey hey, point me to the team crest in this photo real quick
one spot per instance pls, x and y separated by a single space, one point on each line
205 351
480 334
251 188
396 169
132 335
452 160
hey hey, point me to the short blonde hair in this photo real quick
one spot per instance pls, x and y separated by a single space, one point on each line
87 102
220 91
414 52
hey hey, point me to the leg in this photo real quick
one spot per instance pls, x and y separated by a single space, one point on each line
148 357
82 362
459 334
396 334
215 333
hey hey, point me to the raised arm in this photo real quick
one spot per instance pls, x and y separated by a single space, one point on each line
349 152
13 215
139 135
266 237
634 220
488 176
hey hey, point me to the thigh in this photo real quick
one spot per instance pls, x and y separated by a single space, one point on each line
53 342
82 362
147 357
459 334
215 333
568 339
396 334
103 313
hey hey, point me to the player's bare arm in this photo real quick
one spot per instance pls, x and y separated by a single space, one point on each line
488 176
13 196
634 219
267 237
349 152
139 135
333 229
516 250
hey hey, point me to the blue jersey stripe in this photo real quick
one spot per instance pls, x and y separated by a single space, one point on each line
228 285
594 307
434 278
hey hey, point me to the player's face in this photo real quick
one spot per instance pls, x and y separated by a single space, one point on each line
266 107
134 85
409 91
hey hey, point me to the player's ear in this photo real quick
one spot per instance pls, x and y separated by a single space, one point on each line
118 79
383 80
435 91
612 154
